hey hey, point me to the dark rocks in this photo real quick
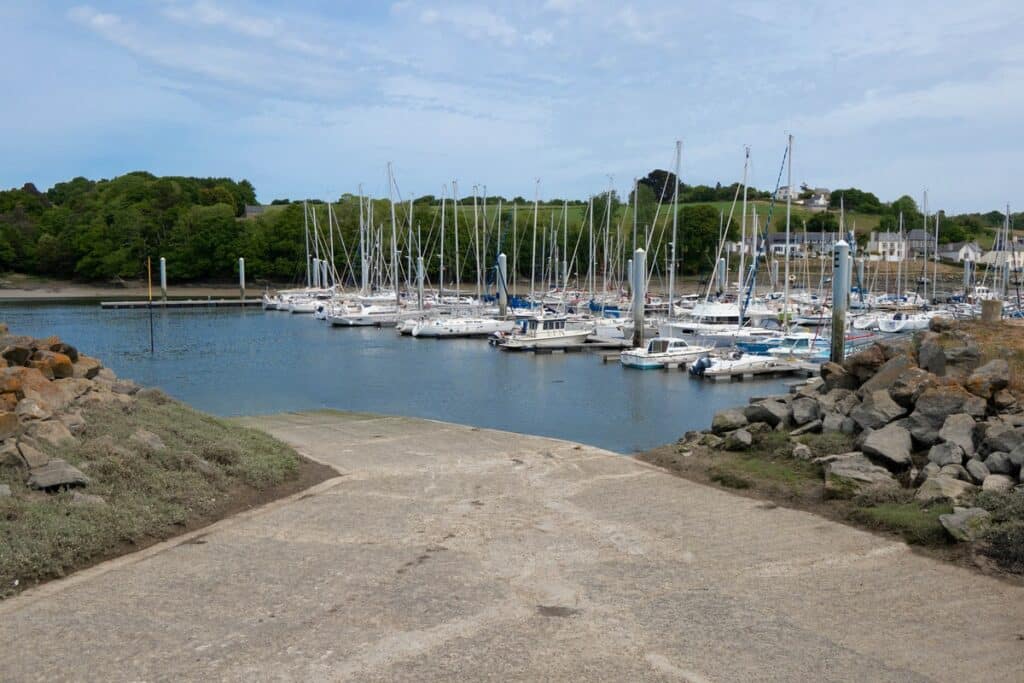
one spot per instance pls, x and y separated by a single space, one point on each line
805 410
772 413
1002 437
946 454
838 401
813 426
53 364
955 471
835 376
909 386
966 524
738 440
989 378
1004 400
877 410
999 463
16 354
976 468
886 375
959 429
864 364
951 354
56 473
890 445
939 402
728 420
921 428
852 473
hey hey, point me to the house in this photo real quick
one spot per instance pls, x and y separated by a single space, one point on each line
800 243
999 258
791 193
887 246
919 242
958 252
819 199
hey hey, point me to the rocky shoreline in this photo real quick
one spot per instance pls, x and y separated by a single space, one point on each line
925 421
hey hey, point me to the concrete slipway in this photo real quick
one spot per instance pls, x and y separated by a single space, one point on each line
445 552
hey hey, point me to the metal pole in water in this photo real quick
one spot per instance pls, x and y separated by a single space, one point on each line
860 278
419 281
502 285
629 275
721 275
241 277
840 294
967 278
149 278
163 278
639 275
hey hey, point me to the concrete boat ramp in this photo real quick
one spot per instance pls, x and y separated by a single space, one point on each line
444 552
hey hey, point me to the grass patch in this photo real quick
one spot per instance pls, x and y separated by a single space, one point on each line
828 443
728 479
1005 540
208 465
917 524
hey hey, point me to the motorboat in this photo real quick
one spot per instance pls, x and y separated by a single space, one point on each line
541 331
364 315
461 327
738 363
662 351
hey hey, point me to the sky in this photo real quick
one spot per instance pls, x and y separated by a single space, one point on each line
313 98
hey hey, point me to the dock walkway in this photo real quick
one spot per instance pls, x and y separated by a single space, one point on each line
444 552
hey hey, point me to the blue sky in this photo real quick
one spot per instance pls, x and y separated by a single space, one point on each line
312 98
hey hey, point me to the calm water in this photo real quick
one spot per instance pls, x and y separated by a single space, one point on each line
250 362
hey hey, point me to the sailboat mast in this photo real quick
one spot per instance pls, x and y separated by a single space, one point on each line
476 245
741 275
515 245
455 227
362 245
533 250
394 236
675 224
305 225
440 292
789 203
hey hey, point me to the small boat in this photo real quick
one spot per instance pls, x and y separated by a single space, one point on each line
365 315
739 364
461 327
798 346
541 332
662 351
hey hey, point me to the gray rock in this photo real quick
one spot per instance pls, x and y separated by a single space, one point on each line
1002 437
802 451
877 410
805 410
946 453
125 387
865 363
959 429
1004 400
728 420
886 375
852 473
56 473
921 428
890 445
998 483
73 421
772 413
738 440
53 432
835 376
999 463
32 456
950 354
909 386
1017 456
938 403
832 422
838 401
147 439
758 428
976 468
966 524
814 426
930 470
712 441
991 377
955 471
849 426
940 486
5 491
31 409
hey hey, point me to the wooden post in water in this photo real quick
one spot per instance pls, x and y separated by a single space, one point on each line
639 272
840 295
241 277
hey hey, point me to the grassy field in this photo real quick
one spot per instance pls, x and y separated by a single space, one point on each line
209 468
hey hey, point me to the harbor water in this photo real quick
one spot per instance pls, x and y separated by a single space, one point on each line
250 362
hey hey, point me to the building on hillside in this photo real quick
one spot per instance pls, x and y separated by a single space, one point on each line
919 241
800 243
791 193
819 199
887 246
1014 257
959 252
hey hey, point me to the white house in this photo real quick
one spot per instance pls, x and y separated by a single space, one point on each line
958 252
888 246
787 192
1000 258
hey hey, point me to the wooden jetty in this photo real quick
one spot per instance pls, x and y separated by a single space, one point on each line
184 303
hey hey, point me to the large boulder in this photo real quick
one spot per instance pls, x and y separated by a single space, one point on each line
966 524
889 445
838 401
805 410
86 367
56 473
864 364
1016 456
52 432
852 473
989 378
877 410
957 472
922 429
728 420
1002 437
909 386
946 453
998 483
52 363
835 376
939 402
770 412
738 440
16 354
9 425
1004 400
35 385
976 468
948 354
999 463
30 409
941 486
888 373
959 429
32 456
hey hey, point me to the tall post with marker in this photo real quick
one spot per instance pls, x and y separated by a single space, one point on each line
419 282
163 278
502 285
639 273
840 299
241 277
